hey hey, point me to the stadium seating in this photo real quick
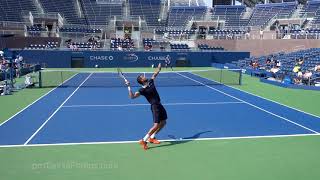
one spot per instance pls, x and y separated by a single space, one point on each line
231 15
263 13
310 8
182 11
148 42
205 47
49 45
123 44
288 61
183 47
312 33
12 10
100 13
175 32
67 9
84 45
81 30
227 34
146 9
35 30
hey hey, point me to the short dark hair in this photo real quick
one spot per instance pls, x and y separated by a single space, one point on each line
139 79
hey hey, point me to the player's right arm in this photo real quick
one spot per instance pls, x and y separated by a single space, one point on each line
157 71
131 94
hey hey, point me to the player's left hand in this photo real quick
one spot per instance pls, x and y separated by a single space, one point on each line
159 66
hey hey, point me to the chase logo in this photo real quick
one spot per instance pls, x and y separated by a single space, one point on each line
159 58
101 58
131 57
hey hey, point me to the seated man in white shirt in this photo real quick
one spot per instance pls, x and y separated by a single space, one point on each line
28 81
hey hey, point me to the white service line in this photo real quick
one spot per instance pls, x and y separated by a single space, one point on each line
36 101
297 124
259 96
166 104
35 133
162 140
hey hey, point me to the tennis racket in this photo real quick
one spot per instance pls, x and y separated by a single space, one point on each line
122 75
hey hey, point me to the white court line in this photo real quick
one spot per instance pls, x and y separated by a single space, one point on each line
163 140
297 124
36 100
259 96
56 110
166 104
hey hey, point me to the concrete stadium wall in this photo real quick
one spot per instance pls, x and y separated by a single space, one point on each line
258 47
63 59
21 42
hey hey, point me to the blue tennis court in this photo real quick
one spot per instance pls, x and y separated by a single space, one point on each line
95 108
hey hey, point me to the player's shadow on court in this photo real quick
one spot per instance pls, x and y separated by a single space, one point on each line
176 141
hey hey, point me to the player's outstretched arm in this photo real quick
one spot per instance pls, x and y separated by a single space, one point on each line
131 94
155 74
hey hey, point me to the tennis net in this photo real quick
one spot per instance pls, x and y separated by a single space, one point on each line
70 78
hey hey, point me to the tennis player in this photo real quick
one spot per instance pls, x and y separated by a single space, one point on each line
149 91
168 62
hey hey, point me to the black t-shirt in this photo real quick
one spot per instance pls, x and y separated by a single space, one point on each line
150 92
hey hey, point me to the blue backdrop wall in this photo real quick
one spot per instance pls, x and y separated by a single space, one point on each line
63 59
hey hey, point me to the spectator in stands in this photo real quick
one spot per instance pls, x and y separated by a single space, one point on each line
119 47
306 77
298 78
317 68
300 61
255 64
296 68
73 47
278 63
2 66
229 36
261 33
28 81
307 74
247 35
275 69
147 48
268 61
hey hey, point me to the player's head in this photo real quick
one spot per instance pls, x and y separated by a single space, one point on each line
142 79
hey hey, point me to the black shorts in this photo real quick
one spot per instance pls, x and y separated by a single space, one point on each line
158 113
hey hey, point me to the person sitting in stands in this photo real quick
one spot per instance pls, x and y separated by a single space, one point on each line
268 61
296 69
28 81
298 78
306 77
307 74
300 61
255 64
317 68
278 63
3 66
119 47
275 69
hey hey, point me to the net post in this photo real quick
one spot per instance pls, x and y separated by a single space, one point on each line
40 79
240 77
220 76
61 78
